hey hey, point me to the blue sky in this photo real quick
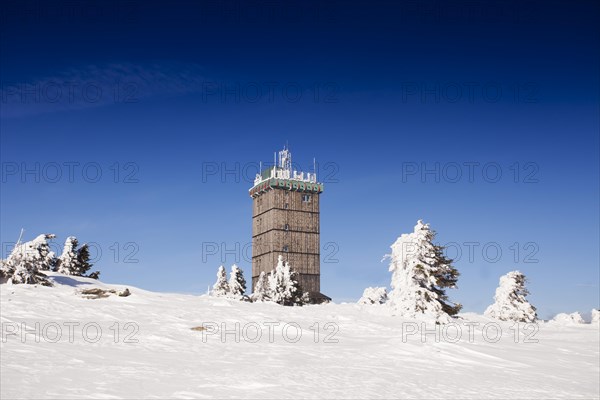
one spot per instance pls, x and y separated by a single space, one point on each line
138 127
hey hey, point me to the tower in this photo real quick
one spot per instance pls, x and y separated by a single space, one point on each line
285 221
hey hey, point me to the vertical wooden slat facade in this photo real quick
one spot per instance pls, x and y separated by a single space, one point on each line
286 222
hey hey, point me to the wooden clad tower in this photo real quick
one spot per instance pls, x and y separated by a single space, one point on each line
285 221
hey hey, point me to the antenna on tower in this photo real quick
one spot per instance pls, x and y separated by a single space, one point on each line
315 168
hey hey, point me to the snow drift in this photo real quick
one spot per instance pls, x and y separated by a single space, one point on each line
58 344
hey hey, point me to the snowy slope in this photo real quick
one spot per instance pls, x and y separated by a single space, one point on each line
370 359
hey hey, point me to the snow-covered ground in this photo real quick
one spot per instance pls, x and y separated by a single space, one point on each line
360 351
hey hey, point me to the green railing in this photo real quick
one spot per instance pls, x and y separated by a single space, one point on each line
287 184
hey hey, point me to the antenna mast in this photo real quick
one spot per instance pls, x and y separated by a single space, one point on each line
20 235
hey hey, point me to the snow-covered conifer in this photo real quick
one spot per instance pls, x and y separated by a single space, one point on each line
83 260
261 290
276 282
237 283
305 298
20 269
420 275
221 287
374 295
283 285
510 302
7 267
74 261
68 259
24 263
40 250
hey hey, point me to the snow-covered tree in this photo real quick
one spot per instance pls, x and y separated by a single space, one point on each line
221 287
74 261
420 275
83 260
24 263
261 290
39 249
374 295
3 271
20 269
510 302
68 259
283 285
237 283
595 316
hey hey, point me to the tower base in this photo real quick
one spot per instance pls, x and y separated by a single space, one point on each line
318 298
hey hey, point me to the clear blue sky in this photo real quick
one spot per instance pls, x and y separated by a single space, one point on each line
183 99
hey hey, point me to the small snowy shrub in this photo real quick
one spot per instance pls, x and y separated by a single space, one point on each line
568 319
374 295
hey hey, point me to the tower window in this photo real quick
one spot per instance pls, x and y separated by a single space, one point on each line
306 198
285 206
285 249
287 227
